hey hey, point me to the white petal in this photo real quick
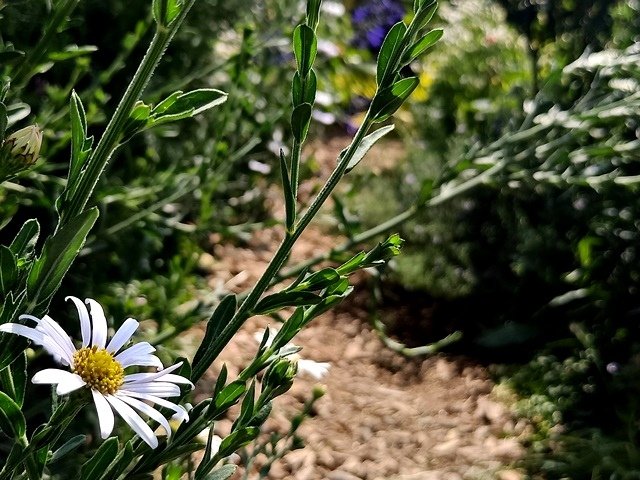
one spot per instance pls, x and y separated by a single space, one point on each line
52 376
178 379
105 414
99 323
160 389
67 382
30 333
36 336
134 420
85 323
122 336
315 369
51 328
148 377
137 350
148 411
180 412
142 361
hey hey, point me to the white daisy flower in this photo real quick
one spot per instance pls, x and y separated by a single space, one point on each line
101 367
308 367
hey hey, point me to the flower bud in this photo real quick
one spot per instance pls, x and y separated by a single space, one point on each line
20 150
279 377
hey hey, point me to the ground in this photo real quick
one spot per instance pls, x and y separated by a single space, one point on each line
384 416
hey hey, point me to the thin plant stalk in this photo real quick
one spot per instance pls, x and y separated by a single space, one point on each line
109 140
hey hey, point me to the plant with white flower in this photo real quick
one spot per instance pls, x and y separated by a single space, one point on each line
100 366
98 369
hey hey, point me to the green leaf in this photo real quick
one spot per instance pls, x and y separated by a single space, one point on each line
390 99
300 121
422 45
276 301
79 149
261 416
305 48
366 144
223 473
425 13
166 103
289 329
58 254
317 280
352 264
72 51
26 239
18 370
227 397
329 301
221 380
8 269
289 197
165 11
12 422
219 319
304 91
313 13
93 468
192 103
236 440
68 447
389 53
247 408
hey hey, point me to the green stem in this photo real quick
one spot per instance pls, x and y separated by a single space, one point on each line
29 461
296 153
109 140
279 258
24 73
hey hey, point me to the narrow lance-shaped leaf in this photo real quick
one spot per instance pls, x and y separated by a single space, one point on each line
425 13
93 468
300 121
58 254
367 142
387 101
422 45
313 13
12 422
276 301
165 11
305 48
219 319
26 238
8 269
78 138
289 198
304 91
389 53
68 447
18 370
236 440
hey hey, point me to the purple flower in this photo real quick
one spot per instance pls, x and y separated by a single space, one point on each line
372 20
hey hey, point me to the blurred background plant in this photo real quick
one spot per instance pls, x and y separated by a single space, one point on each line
537 264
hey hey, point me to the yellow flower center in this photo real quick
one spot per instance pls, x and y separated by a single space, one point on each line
99 369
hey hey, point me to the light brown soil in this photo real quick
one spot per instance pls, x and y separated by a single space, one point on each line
384 416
